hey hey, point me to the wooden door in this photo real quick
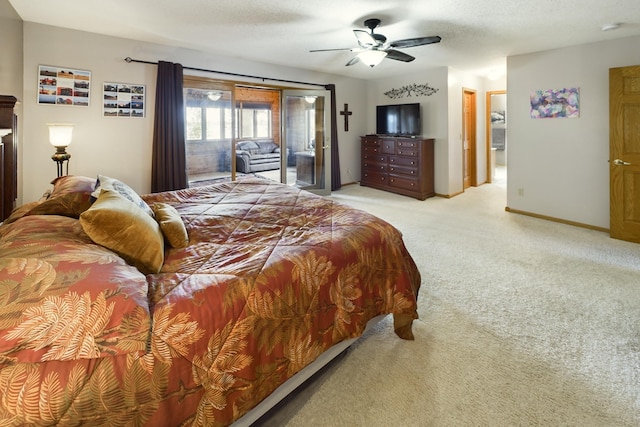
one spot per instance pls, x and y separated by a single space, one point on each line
469 138
624 152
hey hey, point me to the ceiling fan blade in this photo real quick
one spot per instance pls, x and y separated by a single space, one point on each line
418 41
399 56
365 39
330 50
354 60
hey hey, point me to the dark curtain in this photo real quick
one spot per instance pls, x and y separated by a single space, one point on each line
169 165
336 183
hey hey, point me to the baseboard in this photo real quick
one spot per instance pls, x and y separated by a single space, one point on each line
562 221
449 196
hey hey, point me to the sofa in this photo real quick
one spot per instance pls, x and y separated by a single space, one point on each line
257 155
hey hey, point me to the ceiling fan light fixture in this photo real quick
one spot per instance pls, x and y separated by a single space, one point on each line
214 96
372 57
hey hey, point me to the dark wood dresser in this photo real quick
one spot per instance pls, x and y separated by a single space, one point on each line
400 165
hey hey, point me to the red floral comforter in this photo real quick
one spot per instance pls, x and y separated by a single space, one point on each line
272 277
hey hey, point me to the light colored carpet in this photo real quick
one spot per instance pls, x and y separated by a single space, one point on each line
523 322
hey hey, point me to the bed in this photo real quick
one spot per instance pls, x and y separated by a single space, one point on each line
186 307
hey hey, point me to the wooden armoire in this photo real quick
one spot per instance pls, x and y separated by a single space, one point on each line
8 156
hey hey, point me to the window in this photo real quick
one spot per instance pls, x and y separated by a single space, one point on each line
254 120
207 120
211 120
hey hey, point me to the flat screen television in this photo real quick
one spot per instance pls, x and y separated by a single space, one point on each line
398 120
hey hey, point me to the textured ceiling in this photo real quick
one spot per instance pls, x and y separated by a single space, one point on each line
477 35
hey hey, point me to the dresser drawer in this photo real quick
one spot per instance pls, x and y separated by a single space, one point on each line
374 177
388 146
371 149
406 151
374 167
404 170
403 161
407 144
374 157
405 183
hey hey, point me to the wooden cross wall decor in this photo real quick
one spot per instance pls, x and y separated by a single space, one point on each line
346 113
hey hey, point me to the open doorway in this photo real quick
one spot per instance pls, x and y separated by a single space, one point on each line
496 136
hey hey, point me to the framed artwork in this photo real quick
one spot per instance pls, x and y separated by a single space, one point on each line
63 86
555 103
123 99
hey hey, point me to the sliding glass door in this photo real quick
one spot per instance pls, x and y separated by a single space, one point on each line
209 126
306 150
228 126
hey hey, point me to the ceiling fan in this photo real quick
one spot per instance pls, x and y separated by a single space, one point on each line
373 47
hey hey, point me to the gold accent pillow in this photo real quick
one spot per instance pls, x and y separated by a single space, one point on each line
121 226
171 224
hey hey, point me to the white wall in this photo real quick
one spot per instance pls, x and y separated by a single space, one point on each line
435 116
122 147
560 165
11 63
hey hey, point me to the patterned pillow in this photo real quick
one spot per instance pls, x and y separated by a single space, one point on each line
107 183
71 195
121 226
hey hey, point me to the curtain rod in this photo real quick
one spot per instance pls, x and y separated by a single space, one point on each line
129 60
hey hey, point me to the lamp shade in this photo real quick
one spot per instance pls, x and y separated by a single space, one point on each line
372 57
310 99
5 132
60 134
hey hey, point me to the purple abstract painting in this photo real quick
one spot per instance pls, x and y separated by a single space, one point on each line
554 103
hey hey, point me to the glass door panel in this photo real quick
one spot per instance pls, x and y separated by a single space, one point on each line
306 152
258 141
209 134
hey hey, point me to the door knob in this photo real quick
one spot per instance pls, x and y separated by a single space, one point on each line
619 162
